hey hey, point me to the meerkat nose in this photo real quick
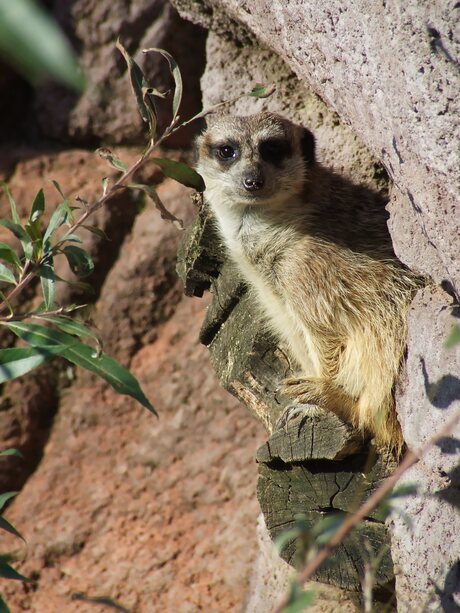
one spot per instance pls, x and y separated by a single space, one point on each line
253 181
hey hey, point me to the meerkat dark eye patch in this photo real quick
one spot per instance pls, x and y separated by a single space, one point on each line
307 145
225 152
275 150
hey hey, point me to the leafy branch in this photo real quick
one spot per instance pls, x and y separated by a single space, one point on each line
62 336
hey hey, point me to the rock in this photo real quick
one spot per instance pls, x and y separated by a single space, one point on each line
127 506
142 289
107 109
391 75
426 553
409 93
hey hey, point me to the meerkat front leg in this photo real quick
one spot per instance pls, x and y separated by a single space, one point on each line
323 393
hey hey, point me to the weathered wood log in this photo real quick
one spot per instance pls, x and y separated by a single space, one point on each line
316 465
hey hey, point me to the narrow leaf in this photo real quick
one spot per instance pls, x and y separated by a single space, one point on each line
6 274
80 262
9 255
21 234
301 602
38 206
22 24
106 154
48 282
147 93
17 361
181 173
5 497
8 572
105 185
175 71
69 238
111 371
453 338
97 231
4 607
8 452
82 355
139 86
262 91
58 218
74 327
165 214
14 212
5 525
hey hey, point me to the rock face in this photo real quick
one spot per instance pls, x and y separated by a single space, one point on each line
151 514
390 73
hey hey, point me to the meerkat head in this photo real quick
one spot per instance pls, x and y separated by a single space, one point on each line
262 159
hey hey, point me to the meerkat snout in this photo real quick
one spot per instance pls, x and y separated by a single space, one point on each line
261 160
253 179
314 249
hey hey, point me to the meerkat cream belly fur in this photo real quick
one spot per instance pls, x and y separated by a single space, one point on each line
315 250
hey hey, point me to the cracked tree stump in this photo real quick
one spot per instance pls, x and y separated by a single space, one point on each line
317 465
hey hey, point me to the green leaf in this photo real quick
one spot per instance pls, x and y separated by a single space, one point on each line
106 154
17 361
21 234
97 231
453 338
74 327
5 525
262 91
31 40
105 185
80 261
9 255
165 214
38 207
300 603
82 355
325 529
3 606
7 275
69 238
111 371
175 71
142 90
181 173
8 572
8 452
14 212
58 219
5 497
48 282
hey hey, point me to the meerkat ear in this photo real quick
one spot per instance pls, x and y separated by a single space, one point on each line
307 146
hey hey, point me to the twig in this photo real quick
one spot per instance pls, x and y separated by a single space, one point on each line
367 507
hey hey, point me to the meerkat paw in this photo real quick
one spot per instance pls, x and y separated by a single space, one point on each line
304 390
294 410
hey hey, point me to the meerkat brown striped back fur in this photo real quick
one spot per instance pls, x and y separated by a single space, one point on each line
316 251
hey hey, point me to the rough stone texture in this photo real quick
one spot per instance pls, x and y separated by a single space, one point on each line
157 515
107 109
391 72
427 568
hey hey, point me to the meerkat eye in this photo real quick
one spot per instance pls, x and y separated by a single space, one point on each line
275 150
226 152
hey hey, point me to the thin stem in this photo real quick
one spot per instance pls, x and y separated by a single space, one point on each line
367 507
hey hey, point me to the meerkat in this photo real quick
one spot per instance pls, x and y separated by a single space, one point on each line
316 251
